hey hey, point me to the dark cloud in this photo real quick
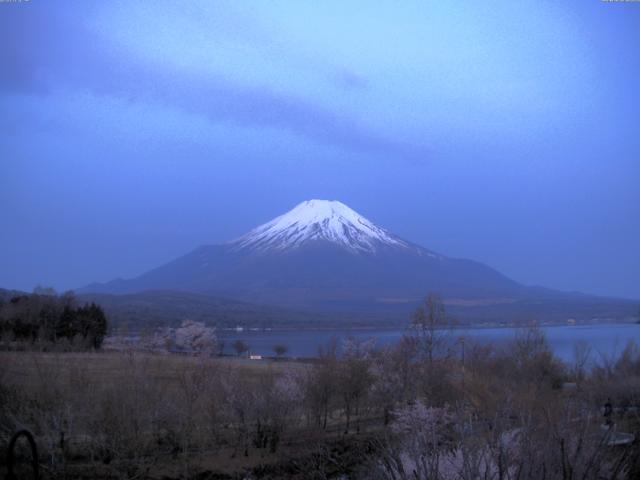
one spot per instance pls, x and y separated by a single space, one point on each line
54 53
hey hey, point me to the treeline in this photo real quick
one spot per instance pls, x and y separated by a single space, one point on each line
46 319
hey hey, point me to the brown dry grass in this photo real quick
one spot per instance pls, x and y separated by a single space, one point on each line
25 369
137 399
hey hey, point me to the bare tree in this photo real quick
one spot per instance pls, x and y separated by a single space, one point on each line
581 357
320 384
430 325
280 350
240 347
355 378
393 368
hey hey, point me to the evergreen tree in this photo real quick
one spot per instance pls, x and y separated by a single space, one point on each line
50 318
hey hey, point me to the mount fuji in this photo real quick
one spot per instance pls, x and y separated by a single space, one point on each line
324 255
326 221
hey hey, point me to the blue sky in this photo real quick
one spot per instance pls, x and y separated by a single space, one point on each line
505 132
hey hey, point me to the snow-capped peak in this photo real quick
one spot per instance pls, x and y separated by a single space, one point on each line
314 220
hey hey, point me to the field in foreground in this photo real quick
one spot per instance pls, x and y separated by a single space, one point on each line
395 413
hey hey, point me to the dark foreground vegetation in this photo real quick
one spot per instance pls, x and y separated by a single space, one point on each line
45 320
404 412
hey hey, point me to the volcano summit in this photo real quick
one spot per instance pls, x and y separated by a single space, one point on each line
320 221
326 256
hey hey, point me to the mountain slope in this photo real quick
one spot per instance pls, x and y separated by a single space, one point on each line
324 256
321 253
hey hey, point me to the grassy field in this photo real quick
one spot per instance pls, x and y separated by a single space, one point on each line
178 413
30 369
368 413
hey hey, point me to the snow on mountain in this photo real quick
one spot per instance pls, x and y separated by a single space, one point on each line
351 265
314 220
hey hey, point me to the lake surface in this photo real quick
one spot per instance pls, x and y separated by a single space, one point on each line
606 340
